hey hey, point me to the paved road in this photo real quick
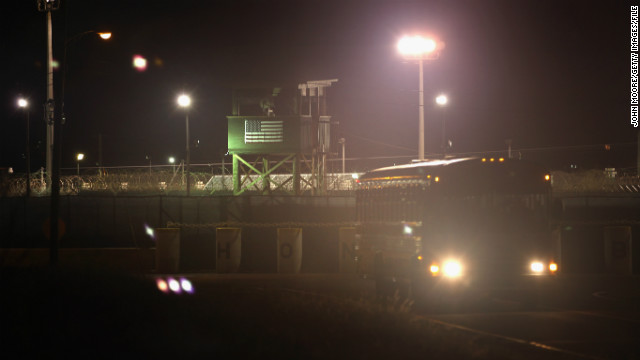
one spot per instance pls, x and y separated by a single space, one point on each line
591 317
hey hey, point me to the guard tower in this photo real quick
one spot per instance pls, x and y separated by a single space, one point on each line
284 131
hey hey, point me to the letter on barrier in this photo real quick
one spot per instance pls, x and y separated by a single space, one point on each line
167 250
289 250
228 249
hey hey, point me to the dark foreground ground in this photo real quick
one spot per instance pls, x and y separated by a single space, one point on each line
84 313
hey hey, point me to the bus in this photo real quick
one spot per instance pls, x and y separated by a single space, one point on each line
465 221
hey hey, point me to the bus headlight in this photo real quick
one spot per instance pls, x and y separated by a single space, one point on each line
536 267
434 269
553 267
452 268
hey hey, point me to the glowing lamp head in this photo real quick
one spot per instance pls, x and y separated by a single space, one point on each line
184 101
172 160
416 46
553 267
104 35
23 103
80 157
442 100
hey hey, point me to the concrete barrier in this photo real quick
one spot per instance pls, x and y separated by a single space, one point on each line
289 250
228 249
167 250
347 250
617 250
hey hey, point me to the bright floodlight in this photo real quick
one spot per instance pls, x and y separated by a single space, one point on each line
80 156
442 100
184 100
416 46
104 35
22 103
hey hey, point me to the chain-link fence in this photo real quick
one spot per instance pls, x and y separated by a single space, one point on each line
167 181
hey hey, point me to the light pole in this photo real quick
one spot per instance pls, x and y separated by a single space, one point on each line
23 103
184 101
79 157
48 6
342 142
442 100
420 49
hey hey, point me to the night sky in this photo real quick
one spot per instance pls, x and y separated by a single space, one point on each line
553 76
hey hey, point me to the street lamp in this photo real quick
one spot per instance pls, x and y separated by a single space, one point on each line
79 157
172 161
184 101
420 49
442 100
23 103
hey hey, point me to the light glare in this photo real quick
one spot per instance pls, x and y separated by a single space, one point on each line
174 285
416 46
537 267
452 268
186 285
104 35
139 63
184 100
22 103
162 285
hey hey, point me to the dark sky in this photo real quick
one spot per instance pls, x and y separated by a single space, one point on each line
553 76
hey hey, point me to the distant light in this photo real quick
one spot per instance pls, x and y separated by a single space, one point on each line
501 159
407 230
172 160
437 179
186 285
149 230
553 267
104 35
484 159
355 176
442 100
139 63
162 285
174 285
80 156
547 177
23 103
184 100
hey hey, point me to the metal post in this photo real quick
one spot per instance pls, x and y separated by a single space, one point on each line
296 174
236 174
421 114
28 154
50 103
188 157
444 141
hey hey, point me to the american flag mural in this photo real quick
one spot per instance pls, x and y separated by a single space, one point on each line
263 131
